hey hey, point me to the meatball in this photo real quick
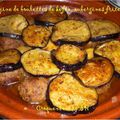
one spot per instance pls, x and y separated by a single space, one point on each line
33 89
8 43
11 77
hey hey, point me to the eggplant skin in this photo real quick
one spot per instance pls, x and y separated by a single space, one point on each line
65 66
5 67
73 113
11 35
10 67
105 37
117 74
61 42
43 23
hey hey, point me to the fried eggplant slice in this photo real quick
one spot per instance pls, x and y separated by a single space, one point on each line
70 32
50 17
38 63
13 24
36 36
103 29
67 95
69 57
96 72
110 50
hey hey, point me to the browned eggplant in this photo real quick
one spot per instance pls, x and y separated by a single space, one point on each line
37 22
69 57
11 35
70 32
36 36
110 50
102 30
67 95
38 63
10 60
50 17
13 24
96 72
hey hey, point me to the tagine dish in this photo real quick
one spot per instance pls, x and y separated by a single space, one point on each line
62 63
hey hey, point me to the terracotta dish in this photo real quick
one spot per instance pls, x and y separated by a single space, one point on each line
13 107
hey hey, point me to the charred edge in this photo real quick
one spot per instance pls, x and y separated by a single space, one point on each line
61 42
10 35
67 67
44 23
117 74
10 67
105 37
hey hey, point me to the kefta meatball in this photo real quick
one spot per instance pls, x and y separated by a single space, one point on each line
8 43
33 89
12 77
